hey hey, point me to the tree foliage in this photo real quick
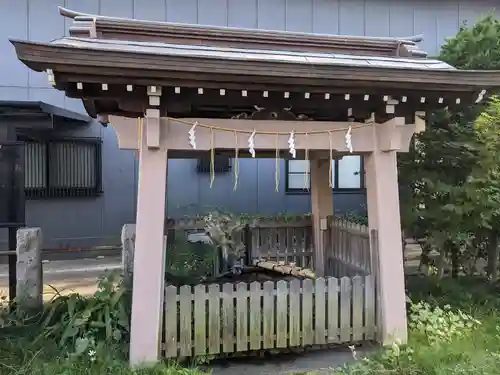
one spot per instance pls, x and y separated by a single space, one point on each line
451 178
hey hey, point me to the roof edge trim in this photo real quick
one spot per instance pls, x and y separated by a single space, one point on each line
40 107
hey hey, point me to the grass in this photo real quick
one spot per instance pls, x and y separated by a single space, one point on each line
466 351
18 356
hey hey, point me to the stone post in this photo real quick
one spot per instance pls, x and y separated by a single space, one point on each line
128 246
29 270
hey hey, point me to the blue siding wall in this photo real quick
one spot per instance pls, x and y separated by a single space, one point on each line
97 221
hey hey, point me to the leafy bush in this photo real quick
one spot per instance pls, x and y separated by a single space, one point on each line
82 325
443 339
356 218
188 262
440 324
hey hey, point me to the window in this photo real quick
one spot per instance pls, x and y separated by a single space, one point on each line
347 174
222 164
62 168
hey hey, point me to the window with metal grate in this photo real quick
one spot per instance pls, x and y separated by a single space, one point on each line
63 168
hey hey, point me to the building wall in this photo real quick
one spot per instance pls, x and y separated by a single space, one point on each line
97 221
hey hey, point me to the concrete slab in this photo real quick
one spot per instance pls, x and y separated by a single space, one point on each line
312 362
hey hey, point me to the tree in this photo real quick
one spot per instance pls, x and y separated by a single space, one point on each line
448 171
483 193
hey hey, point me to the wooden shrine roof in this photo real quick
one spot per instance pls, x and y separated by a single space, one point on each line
89 25
119 53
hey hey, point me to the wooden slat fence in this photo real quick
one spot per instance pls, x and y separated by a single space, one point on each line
348 248
290 240
240 317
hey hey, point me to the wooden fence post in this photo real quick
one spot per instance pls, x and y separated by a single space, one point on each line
375 269
247 238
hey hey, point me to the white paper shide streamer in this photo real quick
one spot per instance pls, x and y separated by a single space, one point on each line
480 96
291 145
348 139
192 135
251 144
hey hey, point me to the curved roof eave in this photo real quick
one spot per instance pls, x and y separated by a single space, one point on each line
100 54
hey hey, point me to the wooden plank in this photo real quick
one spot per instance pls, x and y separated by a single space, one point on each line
228 320
294 313
185 321
336 239
283 248
367 260
241 317
268 315
289 256
255 313
333 310
214 318
287 248
200 324
256 248
299 222
308 245
265 242
171 314
272 246
357 308
307 312
345 309
370 321
319 311
345 247
281 314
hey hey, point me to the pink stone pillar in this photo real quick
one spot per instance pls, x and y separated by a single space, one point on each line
149 255
322 207
384 216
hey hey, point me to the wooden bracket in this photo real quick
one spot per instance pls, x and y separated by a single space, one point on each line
388 135
152 128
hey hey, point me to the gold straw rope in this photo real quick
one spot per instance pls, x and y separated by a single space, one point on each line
224 129
236 161
277 166
212 157
306 158
139 135
330 172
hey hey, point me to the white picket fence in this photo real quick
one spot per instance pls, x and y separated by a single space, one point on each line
239 317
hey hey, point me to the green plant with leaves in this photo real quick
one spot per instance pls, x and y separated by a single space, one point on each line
454 329
436 174
483 191
225 231
82 325
189 263
356 218
437 169
440 324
